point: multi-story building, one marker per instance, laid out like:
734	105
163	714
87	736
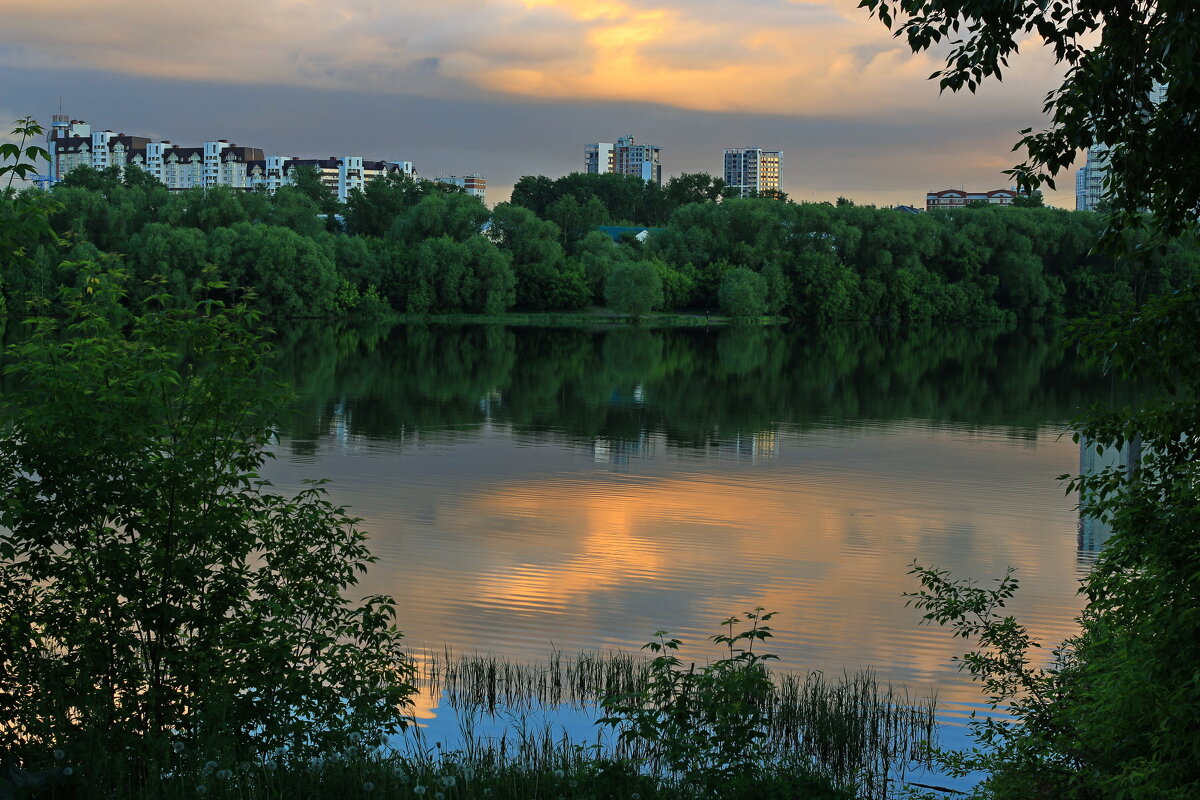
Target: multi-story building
341	174
1090	179
598	157
183	167
73	143
63	128
474	185
381	169
754	172
957	198
640	160
624	157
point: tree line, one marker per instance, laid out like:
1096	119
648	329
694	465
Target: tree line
421	247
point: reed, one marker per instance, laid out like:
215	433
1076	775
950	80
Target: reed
852	729
829	738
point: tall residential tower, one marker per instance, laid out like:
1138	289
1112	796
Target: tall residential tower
624	157
1091	178
754	172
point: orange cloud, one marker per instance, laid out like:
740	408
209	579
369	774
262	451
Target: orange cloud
809	59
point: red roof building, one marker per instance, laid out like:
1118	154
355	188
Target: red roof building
957	198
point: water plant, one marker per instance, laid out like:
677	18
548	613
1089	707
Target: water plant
849	730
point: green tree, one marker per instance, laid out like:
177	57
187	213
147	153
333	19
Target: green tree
634	288
598	255
372	210
307	180
707	726
1033	200
154	590
694	187
743	293
450	276
457	215
546	280
291	275
177	255
575	219
24	219
534	192
292	208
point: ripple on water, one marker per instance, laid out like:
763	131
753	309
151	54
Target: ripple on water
514	544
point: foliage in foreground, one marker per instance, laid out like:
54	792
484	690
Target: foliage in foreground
353	775
1114	53
1117	714
155	594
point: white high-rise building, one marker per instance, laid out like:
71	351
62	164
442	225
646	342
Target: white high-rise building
624	157
212	161
598	157
753	171
72	143
1091	178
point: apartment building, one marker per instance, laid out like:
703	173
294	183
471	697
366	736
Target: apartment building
72	143
598	157
624	157
1090	179
753	171
474	185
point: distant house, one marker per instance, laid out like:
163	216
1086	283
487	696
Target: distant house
958	198
639	232
907	209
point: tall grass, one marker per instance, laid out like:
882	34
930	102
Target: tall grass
853	729
830	738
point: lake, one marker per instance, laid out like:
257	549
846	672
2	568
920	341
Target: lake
531	488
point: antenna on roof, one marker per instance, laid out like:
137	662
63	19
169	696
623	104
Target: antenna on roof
60	104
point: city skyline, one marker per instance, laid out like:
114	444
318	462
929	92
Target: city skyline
513	89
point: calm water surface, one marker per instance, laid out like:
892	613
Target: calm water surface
529	489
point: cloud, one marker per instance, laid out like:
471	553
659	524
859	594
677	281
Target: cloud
520	85
808	59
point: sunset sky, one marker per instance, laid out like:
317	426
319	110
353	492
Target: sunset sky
514	87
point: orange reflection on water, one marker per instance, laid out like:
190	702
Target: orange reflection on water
612	556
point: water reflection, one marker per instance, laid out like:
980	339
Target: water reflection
530	487
696	387
1093	460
